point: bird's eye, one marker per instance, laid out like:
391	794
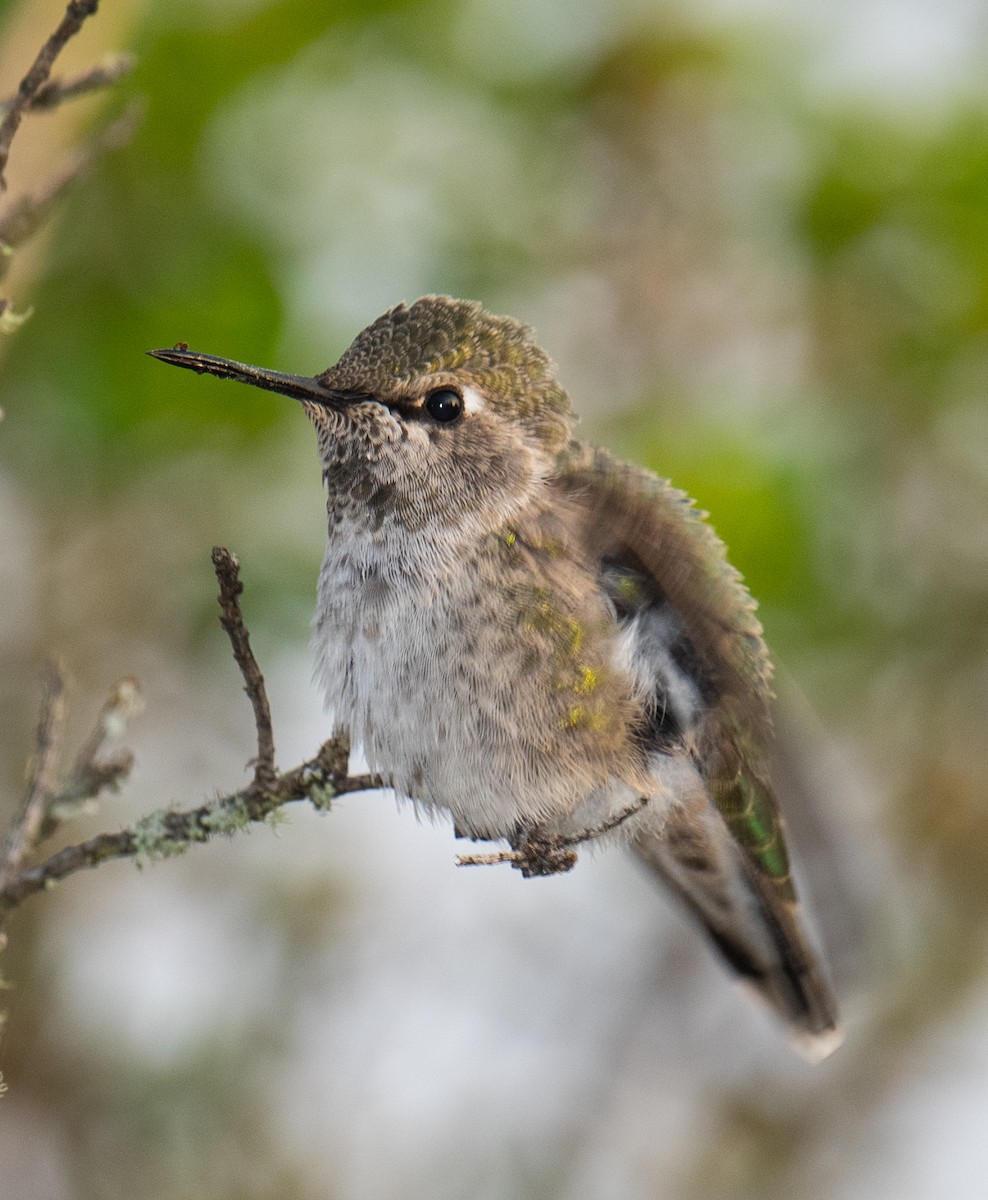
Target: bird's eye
444	405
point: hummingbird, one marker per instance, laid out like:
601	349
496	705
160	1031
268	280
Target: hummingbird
544	642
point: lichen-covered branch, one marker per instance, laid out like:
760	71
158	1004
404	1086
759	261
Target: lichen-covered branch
167	831
49	803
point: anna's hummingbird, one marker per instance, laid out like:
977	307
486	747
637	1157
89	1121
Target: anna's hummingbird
540	639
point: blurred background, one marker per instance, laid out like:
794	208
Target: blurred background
754	235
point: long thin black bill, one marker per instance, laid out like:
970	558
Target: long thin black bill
301	387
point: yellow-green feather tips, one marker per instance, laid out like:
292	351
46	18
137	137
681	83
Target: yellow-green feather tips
580	684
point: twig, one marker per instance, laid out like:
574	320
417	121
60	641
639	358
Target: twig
75	14
227	570
56	91
27	828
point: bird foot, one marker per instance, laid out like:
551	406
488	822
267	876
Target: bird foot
537	853
533	852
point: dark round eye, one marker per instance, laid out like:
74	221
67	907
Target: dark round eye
444	405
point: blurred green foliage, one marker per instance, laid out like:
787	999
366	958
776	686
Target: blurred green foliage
143	256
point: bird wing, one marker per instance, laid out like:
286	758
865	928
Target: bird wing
706	672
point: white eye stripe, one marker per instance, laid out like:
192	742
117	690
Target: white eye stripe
473	401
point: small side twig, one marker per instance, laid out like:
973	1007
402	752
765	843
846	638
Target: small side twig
56	91
37	76
27	828
227	570
92	774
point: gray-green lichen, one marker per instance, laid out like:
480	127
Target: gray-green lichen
322	795
155	840
226	816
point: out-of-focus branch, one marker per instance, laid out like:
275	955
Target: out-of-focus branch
48	804
37	75
27	827
91	774
36	91
56	91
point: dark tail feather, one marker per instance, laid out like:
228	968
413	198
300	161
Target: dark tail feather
757	933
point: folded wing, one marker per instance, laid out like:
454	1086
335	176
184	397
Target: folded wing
696	647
